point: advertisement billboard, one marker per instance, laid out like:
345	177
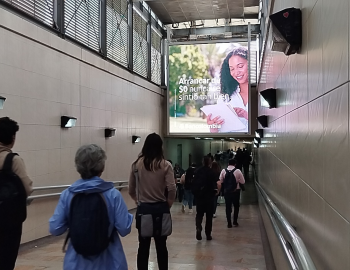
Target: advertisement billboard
209	91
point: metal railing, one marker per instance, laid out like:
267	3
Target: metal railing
48	195
293	246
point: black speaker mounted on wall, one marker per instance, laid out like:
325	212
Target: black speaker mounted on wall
135	139
68	121
286	31
2	101
263	120
268	98
259	133
109	132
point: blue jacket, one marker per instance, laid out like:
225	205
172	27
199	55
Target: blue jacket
113	258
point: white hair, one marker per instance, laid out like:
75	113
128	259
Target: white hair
90	160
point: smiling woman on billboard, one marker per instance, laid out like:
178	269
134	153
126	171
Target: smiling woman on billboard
234	79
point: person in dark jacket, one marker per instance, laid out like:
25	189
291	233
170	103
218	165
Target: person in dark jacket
204	188
186	181
217	170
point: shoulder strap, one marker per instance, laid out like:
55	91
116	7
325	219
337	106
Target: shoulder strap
7	166
136	174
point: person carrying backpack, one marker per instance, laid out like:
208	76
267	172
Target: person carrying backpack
95	214
15	186
232	179
204	188
186	181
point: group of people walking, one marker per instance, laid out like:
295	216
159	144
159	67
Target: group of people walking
95	214
204	185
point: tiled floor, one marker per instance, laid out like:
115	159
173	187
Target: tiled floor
231	249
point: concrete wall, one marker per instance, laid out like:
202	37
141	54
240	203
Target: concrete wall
43	77
304	159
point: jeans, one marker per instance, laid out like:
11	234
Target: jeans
188	198
10	238
232	199
143	252
207	208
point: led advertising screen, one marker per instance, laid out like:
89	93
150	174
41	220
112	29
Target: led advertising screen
208	89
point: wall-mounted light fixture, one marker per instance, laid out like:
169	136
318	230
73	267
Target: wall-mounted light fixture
256	145
268	98
197	138
68	121
135	139
263	120
109	132
2	101
259	133
257	140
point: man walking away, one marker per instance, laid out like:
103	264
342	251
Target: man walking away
15	186
232	178
204	188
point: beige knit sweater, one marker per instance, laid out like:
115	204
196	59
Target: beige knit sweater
152	184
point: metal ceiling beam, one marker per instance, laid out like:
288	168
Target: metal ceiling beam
235	30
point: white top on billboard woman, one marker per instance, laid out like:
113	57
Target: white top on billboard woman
234	83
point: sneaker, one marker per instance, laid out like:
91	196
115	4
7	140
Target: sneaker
199	235
214	216
235	224
229	225
190	211
209	237
183	208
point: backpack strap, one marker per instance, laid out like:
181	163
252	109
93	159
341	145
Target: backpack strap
7	166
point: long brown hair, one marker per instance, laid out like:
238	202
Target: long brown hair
152	152
215	166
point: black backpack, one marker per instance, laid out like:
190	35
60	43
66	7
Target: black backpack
88	224
230	181
189	178
13	197
201	187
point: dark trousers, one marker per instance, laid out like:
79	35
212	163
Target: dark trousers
207	208
10	238
215	203
246	171
232	199
143	252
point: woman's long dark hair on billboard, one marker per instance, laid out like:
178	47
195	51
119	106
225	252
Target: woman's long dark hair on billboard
228	83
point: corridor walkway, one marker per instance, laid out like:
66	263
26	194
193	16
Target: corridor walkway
231	249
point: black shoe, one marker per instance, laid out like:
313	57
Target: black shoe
199	235
229	225
209	237
235	224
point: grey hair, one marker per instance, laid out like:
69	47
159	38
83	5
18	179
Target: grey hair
90	160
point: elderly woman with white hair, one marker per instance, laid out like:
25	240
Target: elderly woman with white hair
95	214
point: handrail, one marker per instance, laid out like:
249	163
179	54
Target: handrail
296	251
67	186
43	196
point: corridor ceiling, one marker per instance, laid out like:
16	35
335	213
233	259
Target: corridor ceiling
177	11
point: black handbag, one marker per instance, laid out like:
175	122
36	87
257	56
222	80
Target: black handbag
152	219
